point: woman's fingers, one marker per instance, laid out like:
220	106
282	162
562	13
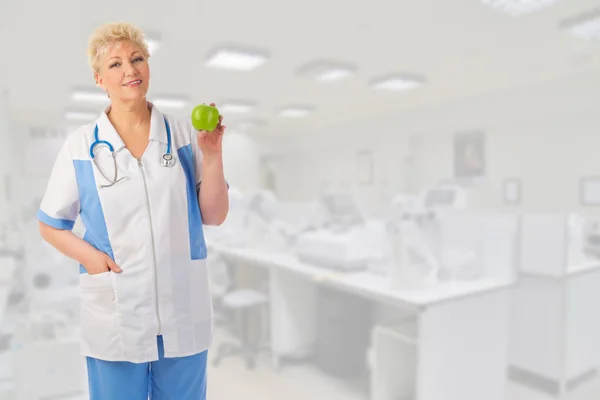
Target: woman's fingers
112	265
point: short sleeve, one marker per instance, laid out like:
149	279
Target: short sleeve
60	205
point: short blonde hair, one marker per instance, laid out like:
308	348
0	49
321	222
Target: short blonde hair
105	35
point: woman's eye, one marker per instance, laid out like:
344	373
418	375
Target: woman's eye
139	59
114	64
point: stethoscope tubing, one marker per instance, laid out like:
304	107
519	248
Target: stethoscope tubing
97	142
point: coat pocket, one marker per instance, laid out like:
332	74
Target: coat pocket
99	332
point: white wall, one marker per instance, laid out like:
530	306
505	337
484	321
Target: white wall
241	161
8	182
549	157
37	149
548	135
301	173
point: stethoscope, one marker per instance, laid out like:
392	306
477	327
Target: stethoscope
167	159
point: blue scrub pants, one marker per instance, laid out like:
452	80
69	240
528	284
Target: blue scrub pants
181	378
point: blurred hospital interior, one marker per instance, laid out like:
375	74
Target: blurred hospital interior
414	193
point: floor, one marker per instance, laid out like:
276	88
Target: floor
292	382
302	382
589	392
231	380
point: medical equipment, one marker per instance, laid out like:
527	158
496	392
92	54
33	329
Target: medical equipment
263	228
46	350
42	339
414	234
167	159
253	221
583	239
444	197
42	326
11	256
414	263
8	266
338	235
592	238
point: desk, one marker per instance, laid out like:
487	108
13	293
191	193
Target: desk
555	325
555	328
453	347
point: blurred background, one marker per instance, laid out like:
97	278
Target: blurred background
415	192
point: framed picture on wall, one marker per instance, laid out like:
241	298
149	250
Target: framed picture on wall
511	191
364	167
469	155
590	191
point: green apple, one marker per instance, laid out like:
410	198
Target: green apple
205	117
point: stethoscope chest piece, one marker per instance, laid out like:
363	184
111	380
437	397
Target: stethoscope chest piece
167	160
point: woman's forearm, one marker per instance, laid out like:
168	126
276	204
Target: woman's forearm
213	196
67	243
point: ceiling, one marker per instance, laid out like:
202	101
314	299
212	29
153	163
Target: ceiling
461	47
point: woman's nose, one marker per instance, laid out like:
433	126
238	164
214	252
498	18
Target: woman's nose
130	68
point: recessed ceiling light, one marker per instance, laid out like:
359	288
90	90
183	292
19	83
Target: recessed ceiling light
249	124
334	75
295	112
518	7
170	102
327	71
80	116
236	107
153	45
90	96
230	58
397	83
153	39
586	26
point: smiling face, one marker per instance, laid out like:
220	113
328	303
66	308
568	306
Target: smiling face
124	72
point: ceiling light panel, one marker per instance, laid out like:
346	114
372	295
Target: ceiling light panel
90	96
236	107
586	26
397	83
327	71
236	59
170	102
153	41
295	112
518	7
85	116
153	45
250	124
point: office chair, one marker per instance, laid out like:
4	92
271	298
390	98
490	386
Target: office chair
236	305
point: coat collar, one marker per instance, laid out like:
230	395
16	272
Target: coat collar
106	130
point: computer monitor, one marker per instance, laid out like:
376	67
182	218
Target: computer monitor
342	208
440	197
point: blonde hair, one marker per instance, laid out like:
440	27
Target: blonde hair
105	35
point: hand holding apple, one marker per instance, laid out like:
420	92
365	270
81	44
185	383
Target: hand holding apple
207	121
205	117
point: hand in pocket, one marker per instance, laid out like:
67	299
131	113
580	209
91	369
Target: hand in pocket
100	262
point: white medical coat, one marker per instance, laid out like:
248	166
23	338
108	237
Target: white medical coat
150	224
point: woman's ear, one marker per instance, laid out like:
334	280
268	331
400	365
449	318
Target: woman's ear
99	83
98	80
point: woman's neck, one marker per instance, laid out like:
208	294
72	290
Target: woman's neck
130	116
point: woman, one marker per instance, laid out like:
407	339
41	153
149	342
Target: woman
133	176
